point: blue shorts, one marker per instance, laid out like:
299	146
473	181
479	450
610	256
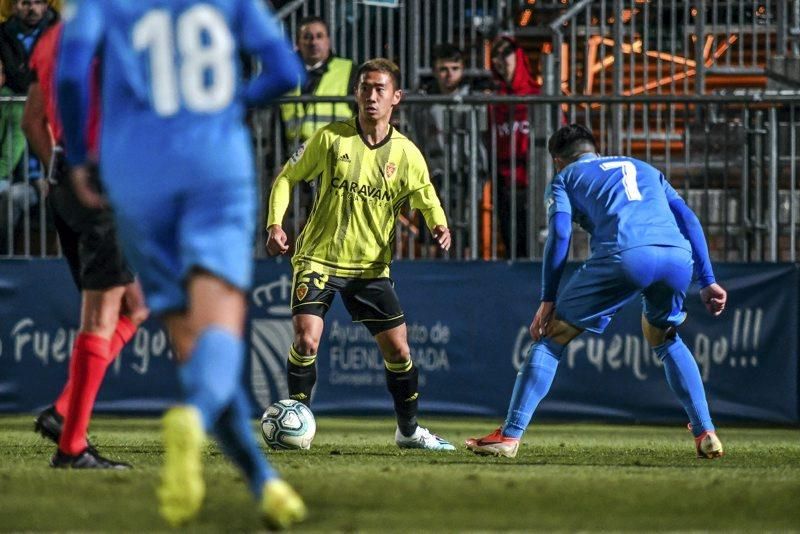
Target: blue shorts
602	286
205	224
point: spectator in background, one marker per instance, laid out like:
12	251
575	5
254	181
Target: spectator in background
326	75
27	20
14	196
443	133
511	123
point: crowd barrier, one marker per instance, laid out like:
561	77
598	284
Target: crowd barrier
467	324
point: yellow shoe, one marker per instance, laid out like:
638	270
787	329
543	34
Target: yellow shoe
281	506
182	487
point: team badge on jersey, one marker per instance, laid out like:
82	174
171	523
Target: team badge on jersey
301	291
390	169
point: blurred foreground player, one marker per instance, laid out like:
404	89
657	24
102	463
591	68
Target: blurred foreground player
367	170
177	165
112	306
644	240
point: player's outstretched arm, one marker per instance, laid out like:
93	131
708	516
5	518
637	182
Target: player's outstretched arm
556	250
82	35
692	230
282	68
714	297
305	164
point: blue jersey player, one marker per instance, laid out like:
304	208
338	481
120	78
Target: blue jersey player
177	166
645	241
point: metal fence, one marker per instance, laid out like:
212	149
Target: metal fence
734	158
406	32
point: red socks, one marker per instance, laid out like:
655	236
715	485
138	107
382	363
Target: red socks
91	359
124	333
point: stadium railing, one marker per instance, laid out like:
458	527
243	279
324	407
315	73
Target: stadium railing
734	158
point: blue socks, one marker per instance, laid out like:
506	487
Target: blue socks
211	381
211	376
683	378
533	383
235	436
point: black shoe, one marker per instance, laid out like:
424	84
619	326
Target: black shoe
88	459
49	423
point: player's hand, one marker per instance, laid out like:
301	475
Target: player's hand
276	241
85	188
542	319
442	235
715	298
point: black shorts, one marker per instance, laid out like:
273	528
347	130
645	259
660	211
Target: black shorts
371	301
88	240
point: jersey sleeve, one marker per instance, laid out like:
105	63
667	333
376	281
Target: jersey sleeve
423	195
668	189
82	35
305	165
556	199
260	35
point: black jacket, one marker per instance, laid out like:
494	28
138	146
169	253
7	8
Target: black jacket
13	54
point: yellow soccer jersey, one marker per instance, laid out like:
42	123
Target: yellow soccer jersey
361	189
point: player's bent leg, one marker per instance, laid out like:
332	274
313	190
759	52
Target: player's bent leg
301	366
182	488
683	377
532	384
207	339
402	380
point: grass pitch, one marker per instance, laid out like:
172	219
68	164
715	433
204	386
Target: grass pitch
566	477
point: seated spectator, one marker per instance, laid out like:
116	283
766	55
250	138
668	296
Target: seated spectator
443	134
327	75
511	124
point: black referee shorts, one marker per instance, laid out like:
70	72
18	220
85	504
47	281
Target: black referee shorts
88	239
371	301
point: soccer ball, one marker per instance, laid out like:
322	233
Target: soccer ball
288	424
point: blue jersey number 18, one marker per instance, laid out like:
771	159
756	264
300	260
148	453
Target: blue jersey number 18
205	46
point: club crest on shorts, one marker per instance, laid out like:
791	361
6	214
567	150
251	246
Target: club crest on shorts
389	169
301	291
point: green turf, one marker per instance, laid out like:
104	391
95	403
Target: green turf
566	477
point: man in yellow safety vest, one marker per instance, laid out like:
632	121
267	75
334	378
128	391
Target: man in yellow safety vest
327	75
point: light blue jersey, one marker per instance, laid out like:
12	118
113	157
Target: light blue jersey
622	202
175	155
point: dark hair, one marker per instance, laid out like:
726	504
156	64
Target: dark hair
381	64
447	52
503	47
313	19
571	141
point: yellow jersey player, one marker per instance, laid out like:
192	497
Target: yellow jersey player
366	170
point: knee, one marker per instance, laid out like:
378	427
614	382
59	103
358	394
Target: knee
138	316
306	343
182	339
655	335
100	321
397	354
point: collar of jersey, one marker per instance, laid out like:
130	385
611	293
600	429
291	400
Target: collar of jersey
364	139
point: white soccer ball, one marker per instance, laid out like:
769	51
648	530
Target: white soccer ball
288	424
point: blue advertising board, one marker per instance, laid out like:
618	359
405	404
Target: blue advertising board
467	325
